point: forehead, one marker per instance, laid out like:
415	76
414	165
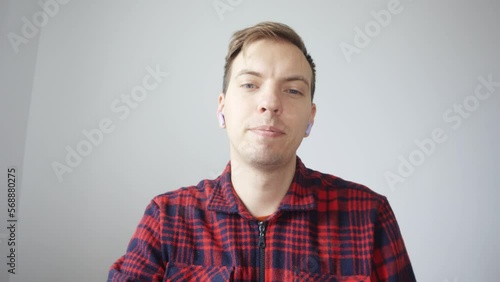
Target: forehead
272	58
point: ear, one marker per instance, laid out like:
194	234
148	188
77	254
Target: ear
311	120
220	110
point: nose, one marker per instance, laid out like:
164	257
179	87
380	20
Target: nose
270	101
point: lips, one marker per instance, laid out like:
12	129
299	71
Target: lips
268	131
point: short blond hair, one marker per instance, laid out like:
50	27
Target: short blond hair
264	30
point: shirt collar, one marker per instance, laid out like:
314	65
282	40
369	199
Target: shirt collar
299	197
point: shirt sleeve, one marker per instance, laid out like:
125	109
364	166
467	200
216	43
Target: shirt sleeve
390	258
143	260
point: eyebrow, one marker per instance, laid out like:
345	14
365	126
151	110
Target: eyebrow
249	72
288	78
297	77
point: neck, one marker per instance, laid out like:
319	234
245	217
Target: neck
261	189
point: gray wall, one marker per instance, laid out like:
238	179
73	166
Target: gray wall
401	110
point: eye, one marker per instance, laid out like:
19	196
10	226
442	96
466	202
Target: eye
294	91
248	85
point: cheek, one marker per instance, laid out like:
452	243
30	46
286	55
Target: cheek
299	115
300	125
237	109
235	118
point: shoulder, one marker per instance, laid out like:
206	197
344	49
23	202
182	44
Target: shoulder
331	187
194	195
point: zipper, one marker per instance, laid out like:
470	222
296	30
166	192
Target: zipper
262	246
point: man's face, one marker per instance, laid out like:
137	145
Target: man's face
267	105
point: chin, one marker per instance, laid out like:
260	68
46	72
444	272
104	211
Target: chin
265	156
267	159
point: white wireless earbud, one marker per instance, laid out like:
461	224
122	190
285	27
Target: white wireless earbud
308	130
222	121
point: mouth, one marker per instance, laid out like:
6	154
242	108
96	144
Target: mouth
267	131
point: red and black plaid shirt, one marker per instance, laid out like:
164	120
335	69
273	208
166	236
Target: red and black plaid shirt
326	229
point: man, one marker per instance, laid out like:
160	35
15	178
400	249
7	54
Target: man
267	217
